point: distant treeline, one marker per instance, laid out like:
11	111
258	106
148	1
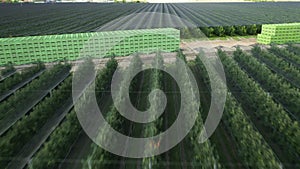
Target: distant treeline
221	31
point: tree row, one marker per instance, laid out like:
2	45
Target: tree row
285	131
277	87
22	132
19	102
287	54
278	65
252	148
17	78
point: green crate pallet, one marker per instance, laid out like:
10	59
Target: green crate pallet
24	50
279	33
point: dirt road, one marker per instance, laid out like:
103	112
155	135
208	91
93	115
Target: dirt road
190	49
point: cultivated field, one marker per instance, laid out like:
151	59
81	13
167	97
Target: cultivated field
259	129
44	19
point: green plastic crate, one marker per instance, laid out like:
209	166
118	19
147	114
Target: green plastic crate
279	33
23	50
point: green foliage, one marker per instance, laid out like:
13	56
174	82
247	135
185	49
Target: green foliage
181	55
259	27
196	33
251	29
58	144
229	30
278	87
64	136
104	77
208	31
19	101
294	49
136	64
17	78
25	129
219	31
241	30
281	61
185	33
252	148
100	158
9	68
287	54
204	156
285	131
152	129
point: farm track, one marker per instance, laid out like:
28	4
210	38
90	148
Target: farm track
136	129
176	156
176	102
20	85
166	125
142	127
11	119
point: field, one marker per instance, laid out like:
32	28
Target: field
259	129
43	19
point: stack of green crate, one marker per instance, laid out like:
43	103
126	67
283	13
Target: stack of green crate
23	50
146	42
279	33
